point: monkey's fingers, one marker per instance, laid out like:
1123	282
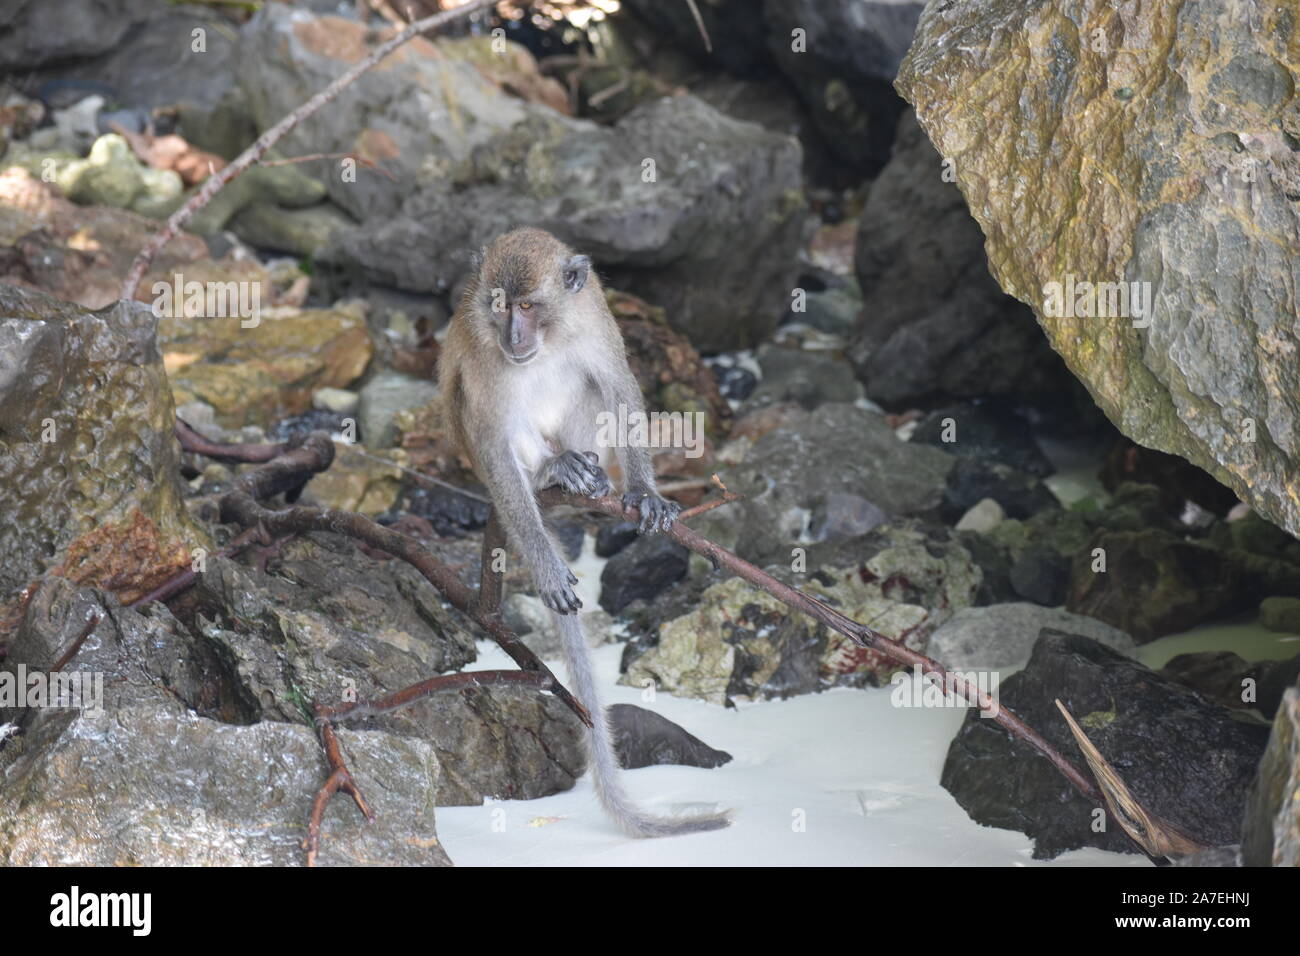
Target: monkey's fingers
671	510
561	600
601	486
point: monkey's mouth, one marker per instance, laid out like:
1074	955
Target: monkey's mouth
521	359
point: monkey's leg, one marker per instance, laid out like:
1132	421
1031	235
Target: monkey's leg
516	504
577	473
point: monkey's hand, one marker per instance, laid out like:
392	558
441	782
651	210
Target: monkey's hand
555	588
578	473
657	512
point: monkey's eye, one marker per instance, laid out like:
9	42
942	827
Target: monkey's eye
525	306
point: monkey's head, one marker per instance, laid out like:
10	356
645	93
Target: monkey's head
527	282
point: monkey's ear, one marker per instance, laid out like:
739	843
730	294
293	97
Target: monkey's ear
476	258
575	272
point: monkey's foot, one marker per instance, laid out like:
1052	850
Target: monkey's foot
578	473
657	512
557	592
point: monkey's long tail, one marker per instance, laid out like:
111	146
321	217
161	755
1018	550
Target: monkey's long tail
601	756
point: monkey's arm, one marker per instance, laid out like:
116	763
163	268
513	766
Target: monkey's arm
657	512
513	498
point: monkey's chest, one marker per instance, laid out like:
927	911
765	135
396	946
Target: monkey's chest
554	412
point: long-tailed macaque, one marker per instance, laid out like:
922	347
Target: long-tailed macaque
532	357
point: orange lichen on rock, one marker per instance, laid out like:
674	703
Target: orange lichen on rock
129	559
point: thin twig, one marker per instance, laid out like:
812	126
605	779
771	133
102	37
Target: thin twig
699	22
340	778
248	157
75	646
356	710
704	506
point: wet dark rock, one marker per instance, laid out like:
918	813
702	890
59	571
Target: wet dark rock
644	738
1179	480
1270	832
297	427
1280	614
1186	759
1229	680
938	326
984	432
642	570
1256	535
613	537
1156	583
845	73
1216	675
994	561
809	378
1041	575
736	382
974	479
449	511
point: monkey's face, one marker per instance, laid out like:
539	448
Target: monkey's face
520	323
525	313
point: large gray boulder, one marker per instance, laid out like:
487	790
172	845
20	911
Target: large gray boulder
697	212
711	239
1154	146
